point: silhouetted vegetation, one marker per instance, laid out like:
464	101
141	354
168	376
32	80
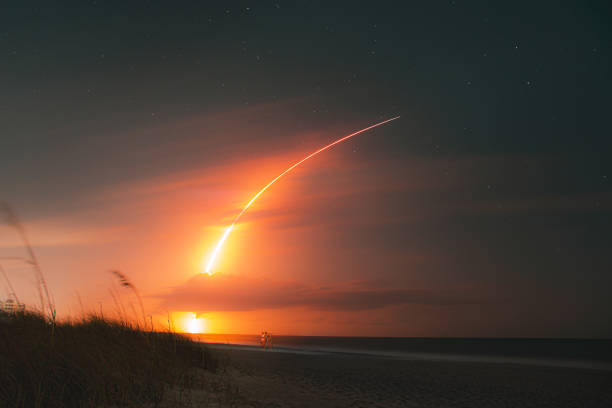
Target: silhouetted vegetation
92	362
95	361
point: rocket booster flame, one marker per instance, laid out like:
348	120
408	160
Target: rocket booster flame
229	229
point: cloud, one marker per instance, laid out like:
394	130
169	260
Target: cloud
217	293
61	231
550	204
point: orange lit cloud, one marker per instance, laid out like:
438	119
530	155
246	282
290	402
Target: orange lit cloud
61	232
242	293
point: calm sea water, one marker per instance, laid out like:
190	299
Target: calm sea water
588	353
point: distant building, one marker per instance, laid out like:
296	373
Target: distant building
11	306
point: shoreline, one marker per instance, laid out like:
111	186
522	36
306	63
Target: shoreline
421	356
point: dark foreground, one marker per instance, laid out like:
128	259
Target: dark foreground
99	363
286	379
94	362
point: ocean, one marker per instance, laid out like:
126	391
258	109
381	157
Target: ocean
576	353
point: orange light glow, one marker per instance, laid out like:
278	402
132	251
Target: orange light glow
218	247
195	324
214	254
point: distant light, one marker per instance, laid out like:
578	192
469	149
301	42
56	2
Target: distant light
196	324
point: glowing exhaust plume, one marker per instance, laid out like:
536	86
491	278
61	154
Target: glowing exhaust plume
229	229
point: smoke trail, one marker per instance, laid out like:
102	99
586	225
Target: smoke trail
229	229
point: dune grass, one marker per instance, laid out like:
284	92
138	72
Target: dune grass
95	361
92	362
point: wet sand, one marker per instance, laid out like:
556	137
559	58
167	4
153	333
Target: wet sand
290	379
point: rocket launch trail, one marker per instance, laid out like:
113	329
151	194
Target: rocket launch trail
229	229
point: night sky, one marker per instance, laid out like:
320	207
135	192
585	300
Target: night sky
130	134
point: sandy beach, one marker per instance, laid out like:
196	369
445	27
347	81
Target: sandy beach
293	379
